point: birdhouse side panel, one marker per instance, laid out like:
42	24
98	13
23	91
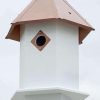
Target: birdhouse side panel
67	50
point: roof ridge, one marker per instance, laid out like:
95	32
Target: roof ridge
25	10
56	8
33	1
76	12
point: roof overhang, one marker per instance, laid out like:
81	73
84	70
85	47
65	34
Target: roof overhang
14	32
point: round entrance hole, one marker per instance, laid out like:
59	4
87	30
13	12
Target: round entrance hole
41	40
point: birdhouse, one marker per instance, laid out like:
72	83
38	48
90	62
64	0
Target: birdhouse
49	32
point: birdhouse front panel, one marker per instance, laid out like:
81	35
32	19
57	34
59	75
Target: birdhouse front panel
38	61
49	55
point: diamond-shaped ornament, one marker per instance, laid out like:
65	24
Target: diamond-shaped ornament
40	40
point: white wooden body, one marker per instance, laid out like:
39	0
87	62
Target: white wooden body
57	64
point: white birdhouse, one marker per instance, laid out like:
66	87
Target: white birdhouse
49	32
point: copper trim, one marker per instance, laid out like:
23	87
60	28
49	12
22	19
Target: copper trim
33	41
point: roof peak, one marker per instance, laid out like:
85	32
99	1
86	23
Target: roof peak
48	9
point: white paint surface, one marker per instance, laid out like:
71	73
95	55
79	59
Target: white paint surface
55	66
49	94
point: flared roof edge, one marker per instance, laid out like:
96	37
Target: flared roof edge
14	32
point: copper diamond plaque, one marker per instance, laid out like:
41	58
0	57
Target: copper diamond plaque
40	40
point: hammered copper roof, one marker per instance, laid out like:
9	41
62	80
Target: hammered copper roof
40	10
